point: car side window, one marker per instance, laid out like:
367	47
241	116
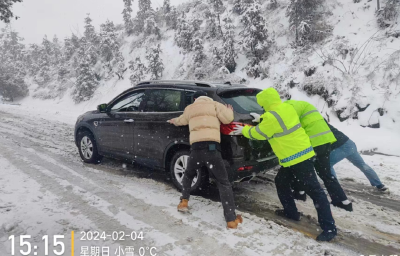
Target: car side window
188	98
130	103
160	100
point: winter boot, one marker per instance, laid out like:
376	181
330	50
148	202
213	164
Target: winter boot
235	223
327	236
347	207
183	206
295	216
382	188
298	196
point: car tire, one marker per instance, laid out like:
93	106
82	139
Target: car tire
88	148
177	170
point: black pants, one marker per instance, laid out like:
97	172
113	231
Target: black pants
212	159
302	175
323	169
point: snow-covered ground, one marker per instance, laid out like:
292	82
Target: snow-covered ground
46	189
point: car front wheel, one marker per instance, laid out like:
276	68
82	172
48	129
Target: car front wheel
88	148
178	167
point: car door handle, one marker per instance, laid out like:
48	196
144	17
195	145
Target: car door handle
128	120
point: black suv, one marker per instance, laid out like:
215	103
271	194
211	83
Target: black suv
133	126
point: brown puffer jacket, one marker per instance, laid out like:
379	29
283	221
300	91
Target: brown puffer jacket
204	117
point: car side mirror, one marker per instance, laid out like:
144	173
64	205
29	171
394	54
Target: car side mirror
102	108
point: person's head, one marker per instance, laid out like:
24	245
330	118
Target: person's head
267	98
198	94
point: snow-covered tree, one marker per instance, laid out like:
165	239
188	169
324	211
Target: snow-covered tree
229	53
184	34
127	15
71	46
150	24
254	38
166	7
217	8
109	49
86	82
12	65
240	6
198	58
213	30
155	64
143	13
171	18
91	40
5	10
90	32
304	16
138	71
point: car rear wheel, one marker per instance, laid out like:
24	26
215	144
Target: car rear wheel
178	167
88	148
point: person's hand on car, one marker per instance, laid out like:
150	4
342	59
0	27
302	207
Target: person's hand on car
229	106
256	117
237	130
171	121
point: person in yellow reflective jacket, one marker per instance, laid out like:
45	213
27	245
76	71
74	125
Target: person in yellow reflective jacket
280	125
321	138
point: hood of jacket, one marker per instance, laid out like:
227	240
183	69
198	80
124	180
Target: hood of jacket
268	98
203	99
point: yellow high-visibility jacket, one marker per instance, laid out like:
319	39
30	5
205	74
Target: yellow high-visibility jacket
313	122
281	126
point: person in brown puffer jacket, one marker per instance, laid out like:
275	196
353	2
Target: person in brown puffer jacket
204	118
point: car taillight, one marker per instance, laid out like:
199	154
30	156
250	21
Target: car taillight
244	168
228	129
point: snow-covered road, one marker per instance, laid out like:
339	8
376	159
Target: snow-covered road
45	189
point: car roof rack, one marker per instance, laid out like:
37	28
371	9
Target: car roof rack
185	82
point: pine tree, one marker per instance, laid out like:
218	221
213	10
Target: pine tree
44	63
5	10
127	15
138	71
143	13
217	9
241	6
184	34
91	40
12	65
199	58
71	46
90	32
166	7
254	40
172	20
212	27
303	16
229	53
155	66
86	82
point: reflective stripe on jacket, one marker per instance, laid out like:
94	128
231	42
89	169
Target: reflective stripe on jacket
313	123
280	125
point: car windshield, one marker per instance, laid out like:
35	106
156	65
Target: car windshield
243	101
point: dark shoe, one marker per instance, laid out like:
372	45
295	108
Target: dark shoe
347	207
282	213
298	196
327	236
382	188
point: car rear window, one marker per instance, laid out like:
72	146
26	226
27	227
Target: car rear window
243	101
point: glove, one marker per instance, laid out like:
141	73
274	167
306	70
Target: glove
237	130
256	116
